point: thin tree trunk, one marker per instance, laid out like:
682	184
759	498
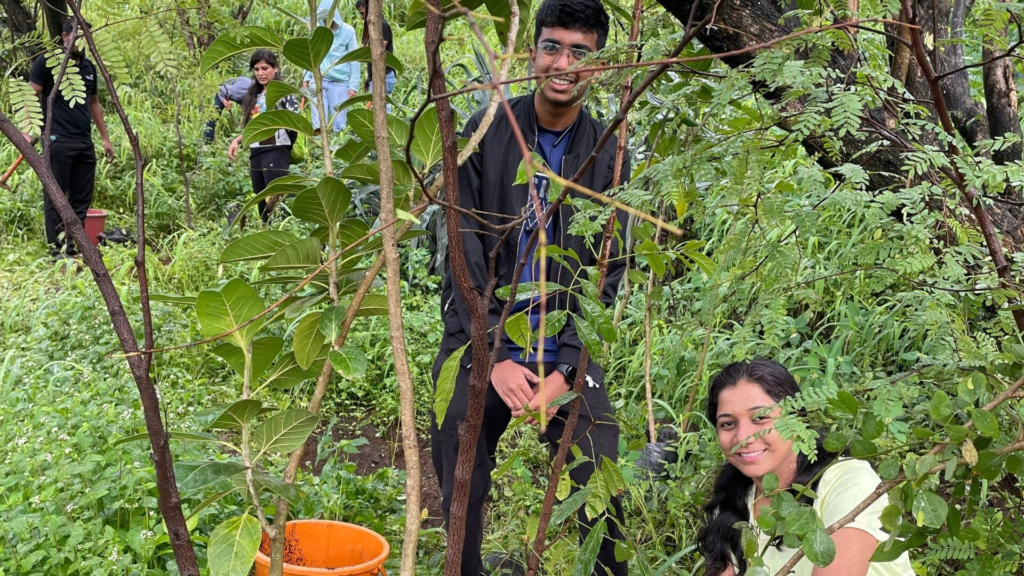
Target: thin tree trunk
479	349
185	177
168	501
168	498
1001	98
55	12
410	441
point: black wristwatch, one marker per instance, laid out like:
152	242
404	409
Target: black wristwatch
568	370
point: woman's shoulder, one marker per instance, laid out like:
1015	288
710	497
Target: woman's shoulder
848	471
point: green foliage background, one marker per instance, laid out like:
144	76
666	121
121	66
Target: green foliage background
882	302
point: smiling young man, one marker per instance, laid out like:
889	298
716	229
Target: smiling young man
556	126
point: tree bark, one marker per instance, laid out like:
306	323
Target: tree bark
18	19
1001	97
410	441
55	12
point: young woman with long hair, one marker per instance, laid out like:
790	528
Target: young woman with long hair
737	401
269	158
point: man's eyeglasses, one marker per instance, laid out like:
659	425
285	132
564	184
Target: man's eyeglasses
552	50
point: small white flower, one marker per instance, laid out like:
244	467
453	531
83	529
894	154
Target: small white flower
49	457
35	500
64	437
53	430
136	465
67	450
113	555
71	507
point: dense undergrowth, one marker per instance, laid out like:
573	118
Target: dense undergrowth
879	301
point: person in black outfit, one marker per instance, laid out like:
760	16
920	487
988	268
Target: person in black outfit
72	158
556	126
270	158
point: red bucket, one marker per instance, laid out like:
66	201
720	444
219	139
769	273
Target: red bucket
95	223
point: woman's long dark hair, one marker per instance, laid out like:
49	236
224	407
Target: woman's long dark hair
253	93
719	542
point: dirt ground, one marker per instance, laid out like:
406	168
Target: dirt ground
384	450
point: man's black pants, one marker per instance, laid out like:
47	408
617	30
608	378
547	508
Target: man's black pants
73	163
595	439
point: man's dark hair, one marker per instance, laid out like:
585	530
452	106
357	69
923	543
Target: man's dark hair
69	25
579	15
360	4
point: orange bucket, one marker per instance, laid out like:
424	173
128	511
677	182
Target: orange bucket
319	547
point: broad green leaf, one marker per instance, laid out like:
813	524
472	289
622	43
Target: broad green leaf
283	432
361	121
331	321
836	442
351	232
325	204
373	305
941	407
354	150
598	316
588	335
527	290
362	54
446	384
612	476
584	565
258	246
986	423
426	143
173	435
307	340
309	53
554	322
264	350
845	404
349	361
301	254
770	483
287	373
990	465
169	298
233	546
819	547
197	475
801	520
277	90
238	42
518	329
567	508
279	487
237	415
227	309
285	185
500	10
929	509
268	123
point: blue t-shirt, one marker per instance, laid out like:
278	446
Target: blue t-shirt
551	145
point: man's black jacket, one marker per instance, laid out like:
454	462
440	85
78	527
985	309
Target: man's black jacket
486	186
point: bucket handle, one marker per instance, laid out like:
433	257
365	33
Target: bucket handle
383	571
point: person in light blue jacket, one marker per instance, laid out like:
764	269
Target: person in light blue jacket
340	80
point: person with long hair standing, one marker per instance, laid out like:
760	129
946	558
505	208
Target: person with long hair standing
270	158
742	404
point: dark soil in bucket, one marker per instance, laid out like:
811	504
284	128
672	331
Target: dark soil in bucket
292	552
